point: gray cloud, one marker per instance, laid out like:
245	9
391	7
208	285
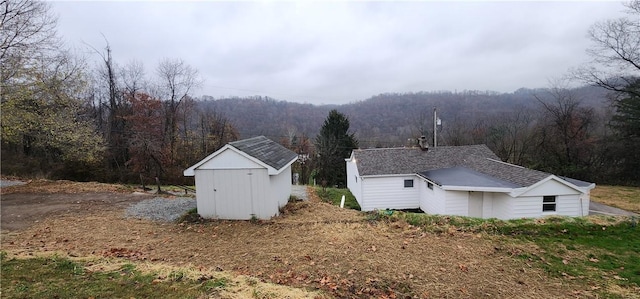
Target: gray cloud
337	52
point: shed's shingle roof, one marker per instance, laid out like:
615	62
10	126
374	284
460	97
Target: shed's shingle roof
265	150
479	158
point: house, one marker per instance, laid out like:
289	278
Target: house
244	179
460	180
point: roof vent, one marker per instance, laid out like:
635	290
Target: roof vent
422	142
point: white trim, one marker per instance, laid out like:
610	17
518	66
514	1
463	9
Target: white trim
476	189
388	175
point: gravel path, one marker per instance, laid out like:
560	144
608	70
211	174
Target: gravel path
161	209
7	183
299	191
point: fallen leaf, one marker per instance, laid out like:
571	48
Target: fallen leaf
593	259
565	262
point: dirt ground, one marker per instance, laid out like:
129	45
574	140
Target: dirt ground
312	245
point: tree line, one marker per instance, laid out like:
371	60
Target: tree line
62	118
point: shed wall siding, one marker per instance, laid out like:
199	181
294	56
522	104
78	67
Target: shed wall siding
205	193
281	187
457	203
234	194
389	193
229	159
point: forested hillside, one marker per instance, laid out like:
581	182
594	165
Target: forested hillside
112	121
388	120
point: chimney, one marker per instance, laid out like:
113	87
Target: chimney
422	141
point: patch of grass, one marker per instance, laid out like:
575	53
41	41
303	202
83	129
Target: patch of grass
56	277
600	250
626	198
334	196
577	247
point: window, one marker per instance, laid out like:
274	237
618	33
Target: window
430	185
356	178
408	183
549	204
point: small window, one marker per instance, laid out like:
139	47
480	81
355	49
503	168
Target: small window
430	185
356	178
549	204
408	183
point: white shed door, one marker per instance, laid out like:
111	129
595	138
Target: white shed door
235	193
475	204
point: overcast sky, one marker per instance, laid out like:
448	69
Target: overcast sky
338	52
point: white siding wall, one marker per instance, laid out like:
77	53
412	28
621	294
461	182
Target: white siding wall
568	203
205	194
487	205
234	194
354	182
457	203
281	187
264	204
502	206
526	207
550	187
229	159
431	200
586	198
389	193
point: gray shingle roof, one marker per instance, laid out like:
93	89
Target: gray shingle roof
478	158
462	176
265	150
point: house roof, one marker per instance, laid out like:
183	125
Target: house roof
462	176
266	150
475	162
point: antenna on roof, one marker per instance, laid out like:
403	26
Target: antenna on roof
436	122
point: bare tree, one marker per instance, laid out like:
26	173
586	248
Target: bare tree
176	80
615	52
27	31
133	77
510	135
565	140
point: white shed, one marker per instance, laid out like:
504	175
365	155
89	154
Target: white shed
460	180
244	179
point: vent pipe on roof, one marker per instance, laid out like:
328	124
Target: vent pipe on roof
422	142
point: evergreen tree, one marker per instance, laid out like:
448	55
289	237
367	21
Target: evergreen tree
626	125
333	145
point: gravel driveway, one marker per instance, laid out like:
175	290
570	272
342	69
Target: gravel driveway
161	209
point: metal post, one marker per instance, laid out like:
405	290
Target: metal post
435	128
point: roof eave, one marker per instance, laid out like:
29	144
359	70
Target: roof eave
477	189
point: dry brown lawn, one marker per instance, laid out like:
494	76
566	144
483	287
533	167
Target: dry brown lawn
313	245
626	198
